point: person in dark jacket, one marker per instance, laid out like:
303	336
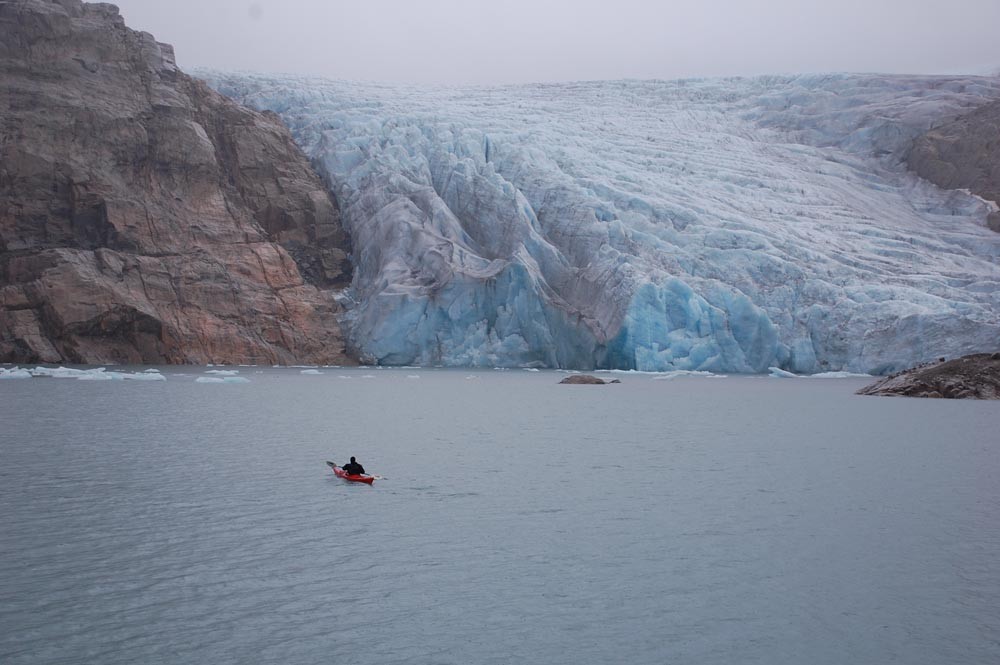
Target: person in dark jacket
354	468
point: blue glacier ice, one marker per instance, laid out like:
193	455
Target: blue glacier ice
725	225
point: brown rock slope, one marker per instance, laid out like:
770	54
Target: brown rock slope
969	377
145	218
964	154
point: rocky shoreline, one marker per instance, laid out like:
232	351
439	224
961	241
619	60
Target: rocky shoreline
975	376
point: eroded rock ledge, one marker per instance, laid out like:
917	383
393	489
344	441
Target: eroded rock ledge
970	377
145	218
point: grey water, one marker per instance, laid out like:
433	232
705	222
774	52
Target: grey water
696	520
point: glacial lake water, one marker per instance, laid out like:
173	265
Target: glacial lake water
695	520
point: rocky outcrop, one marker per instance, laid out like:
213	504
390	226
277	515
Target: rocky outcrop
586	380
144	217
970	377
964	154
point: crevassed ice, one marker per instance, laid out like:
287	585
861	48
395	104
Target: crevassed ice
710	225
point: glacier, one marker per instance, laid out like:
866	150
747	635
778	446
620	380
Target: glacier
711	225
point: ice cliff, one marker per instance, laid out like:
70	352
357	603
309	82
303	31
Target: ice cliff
722	225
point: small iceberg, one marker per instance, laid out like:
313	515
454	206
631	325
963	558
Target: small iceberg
839	375
310	372
145	376
782	374
223	372
15	373
683	373
59	372
224	379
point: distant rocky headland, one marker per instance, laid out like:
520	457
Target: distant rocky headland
975	376
145	218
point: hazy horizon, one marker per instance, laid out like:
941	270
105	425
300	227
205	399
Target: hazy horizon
456	42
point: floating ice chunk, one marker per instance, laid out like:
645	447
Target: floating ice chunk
152	370
669	376
15	373
531	369
782	374
310	372
368	376
144	376
226	379
413	376
839	375
341	376
100	375
58	372
223	372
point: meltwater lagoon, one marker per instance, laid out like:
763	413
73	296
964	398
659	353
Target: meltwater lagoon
695	520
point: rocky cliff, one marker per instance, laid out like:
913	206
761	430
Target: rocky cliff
146	218
964	154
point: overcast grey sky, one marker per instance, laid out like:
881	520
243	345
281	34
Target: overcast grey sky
513	41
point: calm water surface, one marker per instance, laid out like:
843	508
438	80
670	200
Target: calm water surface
736	520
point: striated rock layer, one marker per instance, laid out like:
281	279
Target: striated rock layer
146	218
972	377
964	154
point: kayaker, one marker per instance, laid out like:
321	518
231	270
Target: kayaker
354	468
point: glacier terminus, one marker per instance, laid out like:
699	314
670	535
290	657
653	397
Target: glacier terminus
724	225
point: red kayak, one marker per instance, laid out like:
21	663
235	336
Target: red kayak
353	477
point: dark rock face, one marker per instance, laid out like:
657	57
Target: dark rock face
145	218
964	154
970	377
586	379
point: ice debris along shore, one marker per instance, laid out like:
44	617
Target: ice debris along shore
96	374
725	225
102	374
